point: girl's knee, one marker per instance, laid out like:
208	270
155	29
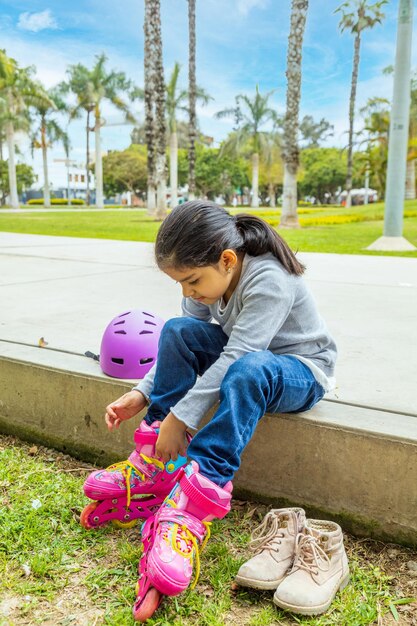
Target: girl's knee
177	325
249	368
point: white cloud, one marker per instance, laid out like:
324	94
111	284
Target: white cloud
244	6
37	21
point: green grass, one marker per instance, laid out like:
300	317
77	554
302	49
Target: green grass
349	238
53	571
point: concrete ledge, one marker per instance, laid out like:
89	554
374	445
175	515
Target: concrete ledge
343	462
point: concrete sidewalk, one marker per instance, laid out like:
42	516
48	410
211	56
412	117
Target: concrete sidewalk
67	290
353	458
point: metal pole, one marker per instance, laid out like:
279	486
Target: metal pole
398	137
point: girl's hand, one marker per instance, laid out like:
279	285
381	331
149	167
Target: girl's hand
124	408
171	441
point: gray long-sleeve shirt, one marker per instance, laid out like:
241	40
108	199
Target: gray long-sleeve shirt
270	309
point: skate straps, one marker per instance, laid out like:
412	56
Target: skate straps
141	438
199	499
182	518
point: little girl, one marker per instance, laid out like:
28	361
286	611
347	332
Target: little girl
270	351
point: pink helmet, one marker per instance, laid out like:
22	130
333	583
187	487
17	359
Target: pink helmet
130	344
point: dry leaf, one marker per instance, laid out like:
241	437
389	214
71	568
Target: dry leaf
42	343
33	450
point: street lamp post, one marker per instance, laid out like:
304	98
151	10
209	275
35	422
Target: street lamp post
398	137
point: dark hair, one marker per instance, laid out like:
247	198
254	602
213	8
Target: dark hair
195	234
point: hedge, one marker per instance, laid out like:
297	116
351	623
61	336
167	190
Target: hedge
55	201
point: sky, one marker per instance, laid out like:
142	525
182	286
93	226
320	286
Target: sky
240	44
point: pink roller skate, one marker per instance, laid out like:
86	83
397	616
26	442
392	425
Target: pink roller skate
174	537
130	489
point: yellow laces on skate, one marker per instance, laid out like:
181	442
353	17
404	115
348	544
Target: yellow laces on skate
126	468
176	540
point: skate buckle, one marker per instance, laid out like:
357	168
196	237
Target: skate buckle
172	466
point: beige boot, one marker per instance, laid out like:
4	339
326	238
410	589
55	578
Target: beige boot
274	544
320	569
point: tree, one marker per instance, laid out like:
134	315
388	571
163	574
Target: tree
356	16
125	170
271	170
290	152
91	87
376	130
323	170
248	135
176	101
313	133
149	91
192	95
25	177
49	132
216	173
17	92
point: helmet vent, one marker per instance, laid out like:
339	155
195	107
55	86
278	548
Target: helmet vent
118	361
148	314
150	323
124	314
144	361
146	332
120	332
118	323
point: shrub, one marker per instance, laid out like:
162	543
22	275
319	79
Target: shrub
57	201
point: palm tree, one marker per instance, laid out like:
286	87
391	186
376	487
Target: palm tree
49	132
91	87
192	94
248	134
291	151
160	120
356	16
149	90
17	92
176	101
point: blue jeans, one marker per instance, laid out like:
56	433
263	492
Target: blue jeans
254	384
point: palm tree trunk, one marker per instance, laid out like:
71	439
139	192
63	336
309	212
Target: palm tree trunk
87	162
149	75
99	162
289	201
173	167
192	89
14	199
352	102
289	217
255	180
410	187
160	120
46	192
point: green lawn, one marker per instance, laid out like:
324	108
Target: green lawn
54	572
135	225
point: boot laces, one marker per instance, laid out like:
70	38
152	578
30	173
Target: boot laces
126	468
311	556
264	536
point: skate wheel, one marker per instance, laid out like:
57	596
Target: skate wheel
85	514
148	605
120	524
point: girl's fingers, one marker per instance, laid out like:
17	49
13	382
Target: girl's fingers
110	411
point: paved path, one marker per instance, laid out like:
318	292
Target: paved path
66	290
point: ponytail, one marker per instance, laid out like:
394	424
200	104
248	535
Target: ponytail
259	238
195	234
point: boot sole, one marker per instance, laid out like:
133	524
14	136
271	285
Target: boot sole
312	610
258	584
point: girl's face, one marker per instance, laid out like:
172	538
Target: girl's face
209	283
